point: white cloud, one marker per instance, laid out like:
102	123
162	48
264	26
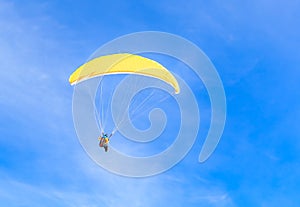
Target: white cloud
32	78
213	199
19	193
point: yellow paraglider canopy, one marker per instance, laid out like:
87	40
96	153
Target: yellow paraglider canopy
123	63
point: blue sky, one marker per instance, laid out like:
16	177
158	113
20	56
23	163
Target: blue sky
253	44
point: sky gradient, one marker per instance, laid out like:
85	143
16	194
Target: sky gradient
254	45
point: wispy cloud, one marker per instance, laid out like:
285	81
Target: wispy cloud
16	193
31	76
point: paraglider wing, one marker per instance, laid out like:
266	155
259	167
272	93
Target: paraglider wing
123	63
